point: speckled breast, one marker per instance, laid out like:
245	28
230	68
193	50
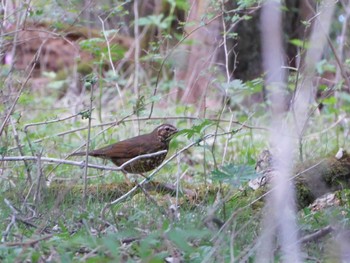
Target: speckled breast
141	165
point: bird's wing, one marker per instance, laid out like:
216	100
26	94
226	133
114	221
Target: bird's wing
128	148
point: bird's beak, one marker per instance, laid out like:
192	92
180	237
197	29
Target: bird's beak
174	134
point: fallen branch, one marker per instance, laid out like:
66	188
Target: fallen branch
27	243
317	235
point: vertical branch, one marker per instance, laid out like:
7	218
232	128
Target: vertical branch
137	48
342	39
317	42
228	76
227	140
280	214
110	58
91	84
178	180
19	93
15	134
40	182
137	59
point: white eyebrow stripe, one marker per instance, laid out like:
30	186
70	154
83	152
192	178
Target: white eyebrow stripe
165	126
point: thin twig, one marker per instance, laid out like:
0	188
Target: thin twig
88	141
137	48
19	93
171	51
110	58
15	134
54	120
115	123
12	221
178	176
28	243
8	228
80	164
12	208
226	98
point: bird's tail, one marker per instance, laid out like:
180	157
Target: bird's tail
78	154
92	153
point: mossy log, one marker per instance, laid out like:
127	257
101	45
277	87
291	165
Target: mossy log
317	178
312	179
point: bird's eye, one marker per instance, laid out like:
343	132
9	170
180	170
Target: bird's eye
167	128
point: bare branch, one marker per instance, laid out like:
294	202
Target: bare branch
317	235
80	164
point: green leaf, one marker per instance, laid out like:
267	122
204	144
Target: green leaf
111	32
91	41
150	20
139	105
86	114
155	98
323	66
196	129
3	150
306	23
181	237
234	174
182	4
246	3
255	85
298	42
235	84
331	101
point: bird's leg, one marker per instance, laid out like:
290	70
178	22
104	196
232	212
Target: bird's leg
144	176
148	180
128	182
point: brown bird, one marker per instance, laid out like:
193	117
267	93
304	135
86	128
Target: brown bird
124	151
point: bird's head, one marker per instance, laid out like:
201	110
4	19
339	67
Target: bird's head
165	132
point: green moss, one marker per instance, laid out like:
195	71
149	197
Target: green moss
61	75
344	197
84	68
304	195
